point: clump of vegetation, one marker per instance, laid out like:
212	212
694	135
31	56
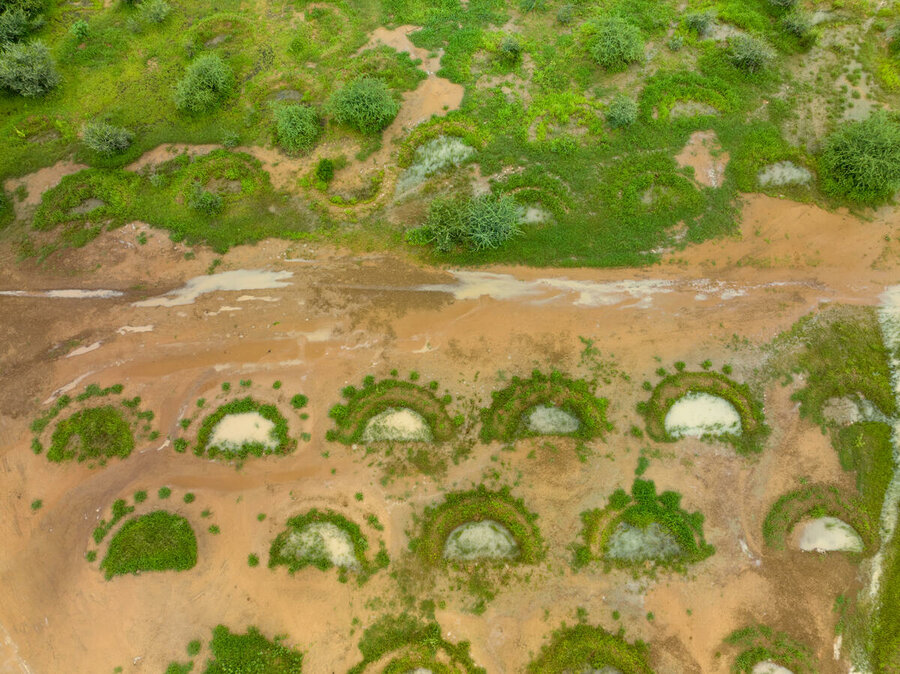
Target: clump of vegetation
641	511
413	645
797	24
352	417
297	127
667	392
622	112
207	83
325	170
749	53
616	43
15	25
478	505
700	22
510	50
815	500
759	643
303	544
205	201
481	223
365	104
157	541
507	416
156	11
245	653
861	160
105	139
585	647
279	432
27	69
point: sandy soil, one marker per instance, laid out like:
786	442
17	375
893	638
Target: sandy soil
704	154
343	316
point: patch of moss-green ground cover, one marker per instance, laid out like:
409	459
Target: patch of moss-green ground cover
506	418
247	653
759	643
675	386
281	443
589	648
302	544
478	505
410	644
675	535
867	448
157	541
351	418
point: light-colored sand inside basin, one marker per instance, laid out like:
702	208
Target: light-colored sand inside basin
486	539
322	541
769	667
550	420
241	279
828	534
399	424
247	428
629	543
603	670
699	414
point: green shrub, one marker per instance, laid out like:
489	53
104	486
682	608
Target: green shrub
861	160
157	541
565	14
106	139
204	201
31	8
749	53
365	104
325	170
510	49
207	82
80	30
785	4
156	11
622	111
797	24
700	22
14	25
616	44
482	223
297	127
28	69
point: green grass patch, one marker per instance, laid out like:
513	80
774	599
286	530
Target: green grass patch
92	434
285	550
242	406
867	448
477	505
157	541
667	392
407	643
759	643
588	648
246	653
640	510
506	418
376	397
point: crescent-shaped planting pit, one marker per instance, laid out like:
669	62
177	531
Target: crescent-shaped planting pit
544	405
642	531
392	411
325	540
479	526
762	650
241	428
157	541
588	649
705	404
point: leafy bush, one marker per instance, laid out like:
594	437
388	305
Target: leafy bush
861	160
204	201
616	44
622	111
749	53
80	30
365	104
106	139
207	82
699	22
325	170
481	223
28	69
156	11
297	127
14	25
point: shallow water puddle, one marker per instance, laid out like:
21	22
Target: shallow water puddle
242	279
66	294
129	329
828	534
247	428
769	667
81	350
486	539
699	414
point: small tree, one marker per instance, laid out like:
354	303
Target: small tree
749	53
365	104
14	25
28	69
622	111
297	127
207	82
616	43
861	160
106	139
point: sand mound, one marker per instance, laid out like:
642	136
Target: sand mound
828	534
322	542
699	414
397	425
238	430
551	421
480	540
769	667
629	543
